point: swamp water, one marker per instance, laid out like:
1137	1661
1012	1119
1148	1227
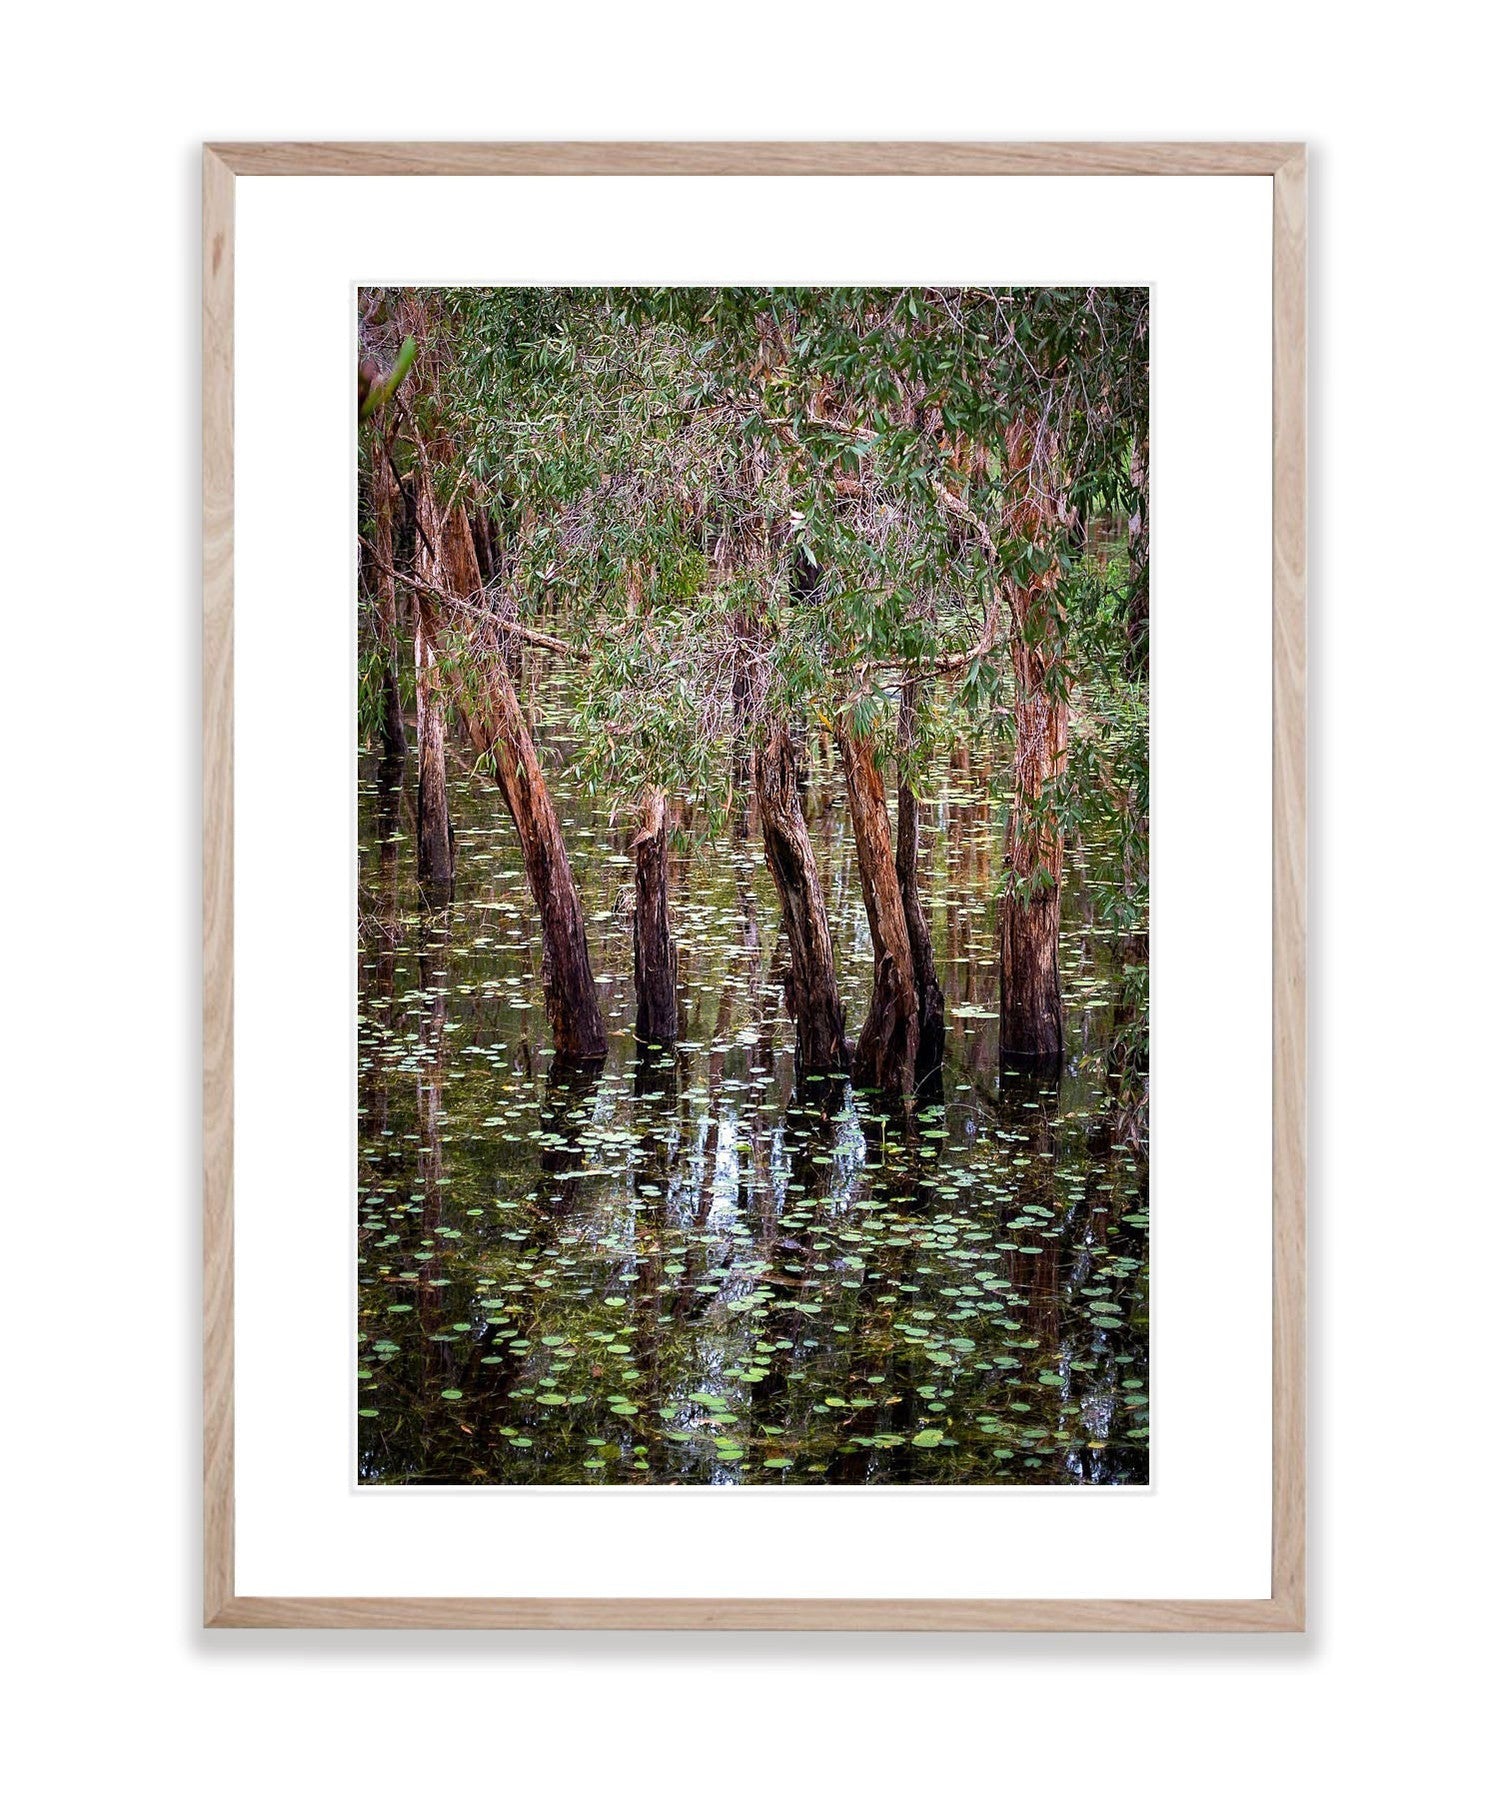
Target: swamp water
683	1269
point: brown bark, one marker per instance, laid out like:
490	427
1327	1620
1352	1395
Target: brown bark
434	831
483	556
655	952
931	1024
497	728
885	1056
811	985
1030	912
392	721
1030	1002
481	529
451	537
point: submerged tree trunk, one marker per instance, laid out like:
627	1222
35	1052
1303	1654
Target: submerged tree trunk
1137	613
931	1023
811	986
497	728
392	721
885	1056
655	952
1030	1002
434	832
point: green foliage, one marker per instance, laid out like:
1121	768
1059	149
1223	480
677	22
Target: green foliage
744	506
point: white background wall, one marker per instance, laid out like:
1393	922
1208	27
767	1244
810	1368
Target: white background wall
104	111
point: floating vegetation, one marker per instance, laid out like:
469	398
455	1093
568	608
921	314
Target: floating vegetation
687	1268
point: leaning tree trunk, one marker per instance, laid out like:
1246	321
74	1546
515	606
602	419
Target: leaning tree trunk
655	952
885	1056
811	984
1030	1004
497	728
931	1021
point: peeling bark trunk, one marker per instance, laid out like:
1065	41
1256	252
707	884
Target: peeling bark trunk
434	831
931	1020
811	986
885	1056
1030	913
392	722
481	529
497	728
452	538
480	555
655	952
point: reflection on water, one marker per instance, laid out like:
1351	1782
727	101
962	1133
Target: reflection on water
683	1269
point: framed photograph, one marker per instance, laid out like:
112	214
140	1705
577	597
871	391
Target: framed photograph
754	886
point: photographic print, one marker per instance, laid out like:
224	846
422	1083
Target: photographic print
753	930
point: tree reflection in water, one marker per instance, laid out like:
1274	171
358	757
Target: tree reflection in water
684	1268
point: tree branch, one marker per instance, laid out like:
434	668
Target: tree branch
556	645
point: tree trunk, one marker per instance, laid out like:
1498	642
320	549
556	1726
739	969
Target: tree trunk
885	1056
497	728
1030	914
434	832
1137	614
930	1009
655	952
811	986
392	722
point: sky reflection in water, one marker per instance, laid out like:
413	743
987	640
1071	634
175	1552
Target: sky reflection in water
680	1269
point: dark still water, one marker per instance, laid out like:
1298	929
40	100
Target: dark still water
682	1269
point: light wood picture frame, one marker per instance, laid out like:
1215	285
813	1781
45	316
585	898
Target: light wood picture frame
1285	163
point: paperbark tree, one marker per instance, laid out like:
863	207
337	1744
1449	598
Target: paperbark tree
885	1055
497	729
655	951
1030	1001
434	830
811	982
931	1022
1031	907
491	715
382	579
